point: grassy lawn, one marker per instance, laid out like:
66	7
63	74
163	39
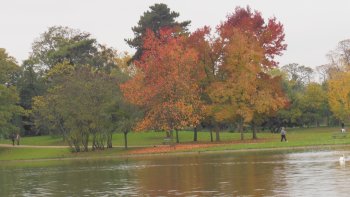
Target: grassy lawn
230	141
32	153
38	141
156	138
299	137
53	153
134	139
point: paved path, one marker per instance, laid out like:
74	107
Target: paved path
30	146
33	146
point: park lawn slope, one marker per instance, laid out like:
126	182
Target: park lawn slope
151	142
38	141
32	153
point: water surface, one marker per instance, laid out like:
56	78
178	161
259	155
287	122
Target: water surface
263	173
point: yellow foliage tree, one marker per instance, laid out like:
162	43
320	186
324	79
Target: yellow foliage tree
244	90
339	95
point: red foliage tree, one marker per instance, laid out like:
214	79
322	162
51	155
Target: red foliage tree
166	83
270	34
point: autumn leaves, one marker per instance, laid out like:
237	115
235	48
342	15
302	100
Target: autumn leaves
185	79
167	83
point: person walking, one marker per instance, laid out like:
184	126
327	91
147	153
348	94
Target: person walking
12	137
283	135
18	137
342	130
342	127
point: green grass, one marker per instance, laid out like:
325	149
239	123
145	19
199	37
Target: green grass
38	141
230	141
134	138
296	138
32	153
156	138
18	153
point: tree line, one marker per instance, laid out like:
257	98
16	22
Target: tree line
218	79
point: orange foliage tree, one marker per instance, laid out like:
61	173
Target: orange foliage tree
237	61
209	53
166	83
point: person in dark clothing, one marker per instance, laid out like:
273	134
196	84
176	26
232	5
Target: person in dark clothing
12	137
342	127
283	135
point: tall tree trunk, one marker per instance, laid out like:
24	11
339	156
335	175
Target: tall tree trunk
195	134
240	128
328	120
217	134
125	140
109	140
85	142
211	135
76	146
94	142
254	131
177	136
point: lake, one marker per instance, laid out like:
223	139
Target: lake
263	173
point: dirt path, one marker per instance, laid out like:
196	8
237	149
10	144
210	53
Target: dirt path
30	146
190	146
171	148
35	146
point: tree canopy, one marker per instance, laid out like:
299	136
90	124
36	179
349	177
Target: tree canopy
241	89
226	78
158	17
9	110
80	106
166	85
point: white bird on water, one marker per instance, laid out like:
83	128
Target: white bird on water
342	159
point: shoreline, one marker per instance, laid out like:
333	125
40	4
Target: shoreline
191	152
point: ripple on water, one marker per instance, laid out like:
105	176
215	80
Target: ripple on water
280	174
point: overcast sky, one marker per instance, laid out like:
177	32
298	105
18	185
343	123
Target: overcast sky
312	28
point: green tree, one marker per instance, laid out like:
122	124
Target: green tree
313	104
307	101
124	117
299	74
55	47
79	106
59	44
9	70
29	85
291	115
9	110
158	17
124	114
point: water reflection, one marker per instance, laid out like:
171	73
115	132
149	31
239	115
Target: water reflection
265	173
318	173
210	175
